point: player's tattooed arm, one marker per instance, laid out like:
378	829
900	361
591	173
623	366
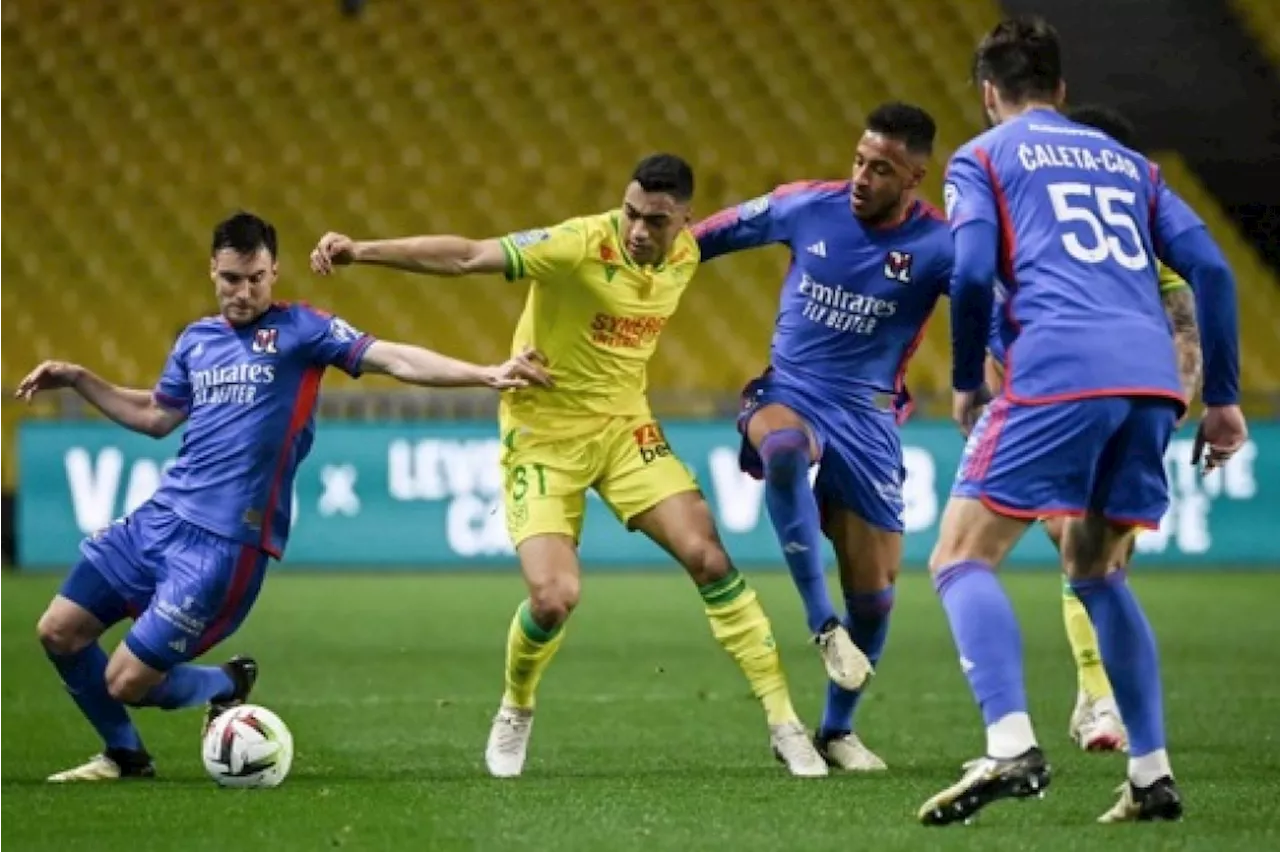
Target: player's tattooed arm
417	366
1180	305
133	409
430	255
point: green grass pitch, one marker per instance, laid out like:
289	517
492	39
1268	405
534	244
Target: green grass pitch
646	735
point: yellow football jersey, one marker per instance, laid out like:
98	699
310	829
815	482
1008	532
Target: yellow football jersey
1169	280
594	312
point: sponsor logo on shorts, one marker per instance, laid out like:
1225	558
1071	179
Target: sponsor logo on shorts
181	617
651	443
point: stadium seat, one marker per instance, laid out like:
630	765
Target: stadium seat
131	127
1262	18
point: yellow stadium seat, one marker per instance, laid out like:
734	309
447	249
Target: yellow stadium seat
1262	17
131	127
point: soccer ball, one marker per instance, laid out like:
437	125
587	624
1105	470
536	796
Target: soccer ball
248	746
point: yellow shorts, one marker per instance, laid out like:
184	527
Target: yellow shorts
547	471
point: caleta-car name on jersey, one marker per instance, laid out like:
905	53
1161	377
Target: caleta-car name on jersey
625	332
235	384
1038	155
841	309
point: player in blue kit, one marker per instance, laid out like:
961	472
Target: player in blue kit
1072	222
869	262
187	565
1095	720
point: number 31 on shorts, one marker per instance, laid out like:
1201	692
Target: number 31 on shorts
526	475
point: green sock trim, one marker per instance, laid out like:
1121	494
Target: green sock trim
531	629
724	590
1067	591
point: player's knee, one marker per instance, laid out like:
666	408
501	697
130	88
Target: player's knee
127	686
60	635
785	453
706	561
552	602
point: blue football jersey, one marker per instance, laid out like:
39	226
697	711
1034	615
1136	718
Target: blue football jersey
1081	220
250	396
856	298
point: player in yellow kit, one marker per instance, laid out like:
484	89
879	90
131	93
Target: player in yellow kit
603	287
1095	721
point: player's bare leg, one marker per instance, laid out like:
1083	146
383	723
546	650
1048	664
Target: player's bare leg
1095	723
682	525
868	558
549	563
786	447
1090	545
972	541
69	634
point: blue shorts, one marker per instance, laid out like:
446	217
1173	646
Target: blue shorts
1103	455
186	588
859	449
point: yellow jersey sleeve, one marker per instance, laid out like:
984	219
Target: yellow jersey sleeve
545	254
1170	280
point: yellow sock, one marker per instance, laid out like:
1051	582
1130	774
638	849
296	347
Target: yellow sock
529	650
1084	646
739	624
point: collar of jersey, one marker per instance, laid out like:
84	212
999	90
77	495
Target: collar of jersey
622	246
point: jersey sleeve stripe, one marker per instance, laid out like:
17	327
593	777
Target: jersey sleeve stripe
171	401
515	263
1007	237
726	218
356	352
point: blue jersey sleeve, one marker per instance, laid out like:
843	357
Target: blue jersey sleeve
758	222
1171	217
333	342
174	388
972	296
967	191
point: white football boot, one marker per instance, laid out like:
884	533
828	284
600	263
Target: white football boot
850	754
792	747
102	767
847	666
508	742
1096	726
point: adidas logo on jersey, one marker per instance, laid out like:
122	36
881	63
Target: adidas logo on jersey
179	645
819	248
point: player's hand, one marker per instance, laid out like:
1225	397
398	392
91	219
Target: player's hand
50	375
333	250
1222	433
527	368
966	407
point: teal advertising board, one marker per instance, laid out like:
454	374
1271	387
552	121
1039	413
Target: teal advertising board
427	495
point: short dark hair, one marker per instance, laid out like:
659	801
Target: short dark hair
244	233
665	173
907	123
1108	120
1022	58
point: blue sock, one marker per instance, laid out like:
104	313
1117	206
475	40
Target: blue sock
1130	657
187	686
987	637
794	513
868	625
85	676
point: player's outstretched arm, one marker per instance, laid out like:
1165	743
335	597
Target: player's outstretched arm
448	256
133	409
417	366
